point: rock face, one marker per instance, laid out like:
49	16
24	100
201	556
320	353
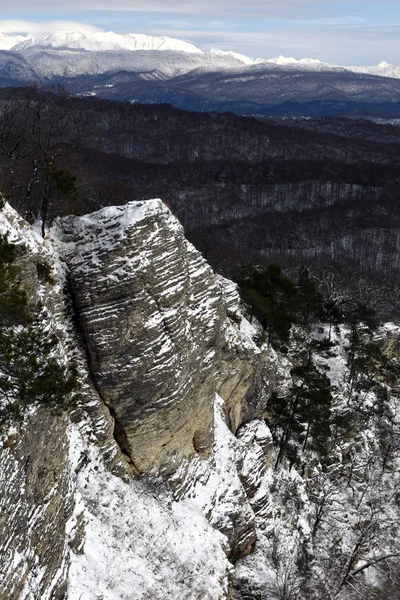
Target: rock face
245	373
153	316
36	500
37	480
157	338
36	496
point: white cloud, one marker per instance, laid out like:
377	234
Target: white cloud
23	27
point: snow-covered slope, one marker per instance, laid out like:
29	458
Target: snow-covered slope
384	69
9	41
282	60
95	42
52	63
240	57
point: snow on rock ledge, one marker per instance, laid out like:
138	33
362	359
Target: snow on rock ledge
154	317
162	335
149	307
138	543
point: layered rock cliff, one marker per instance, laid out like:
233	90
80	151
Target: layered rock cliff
172	385
155	323
150	312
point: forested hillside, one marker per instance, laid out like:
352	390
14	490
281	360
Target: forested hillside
320	192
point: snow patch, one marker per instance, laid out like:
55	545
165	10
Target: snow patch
139	543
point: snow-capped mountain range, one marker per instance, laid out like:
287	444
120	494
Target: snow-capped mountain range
100	41
144	69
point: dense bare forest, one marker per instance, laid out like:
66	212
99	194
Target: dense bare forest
319	192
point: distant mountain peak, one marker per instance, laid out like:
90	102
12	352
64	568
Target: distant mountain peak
9	41
282	60
240	57
95	42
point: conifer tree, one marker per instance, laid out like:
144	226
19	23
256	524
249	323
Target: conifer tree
30	371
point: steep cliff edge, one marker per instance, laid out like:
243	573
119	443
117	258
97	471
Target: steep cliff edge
155	335
36	498
154	318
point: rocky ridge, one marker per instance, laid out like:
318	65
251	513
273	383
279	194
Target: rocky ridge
153	317
156	335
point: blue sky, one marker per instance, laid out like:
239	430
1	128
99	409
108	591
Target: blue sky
356	32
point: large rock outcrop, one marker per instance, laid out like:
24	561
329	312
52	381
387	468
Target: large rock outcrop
154	318
156	335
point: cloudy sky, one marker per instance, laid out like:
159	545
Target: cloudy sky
337	31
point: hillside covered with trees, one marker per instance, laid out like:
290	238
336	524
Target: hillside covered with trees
319	192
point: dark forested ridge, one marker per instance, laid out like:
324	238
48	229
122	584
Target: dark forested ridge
323	192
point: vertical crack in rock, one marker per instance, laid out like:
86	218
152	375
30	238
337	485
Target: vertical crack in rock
119	433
